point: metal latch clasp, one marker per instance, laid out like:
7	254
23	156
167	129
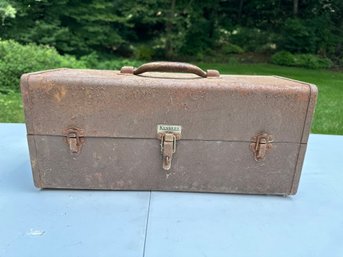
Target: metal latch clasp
168	134
168	148
75	139
260	145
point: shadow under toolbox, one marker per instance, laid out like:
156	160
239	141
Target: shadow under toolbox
157	128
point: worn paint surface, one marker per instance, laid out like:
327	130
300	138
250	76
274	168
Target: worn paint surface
118	114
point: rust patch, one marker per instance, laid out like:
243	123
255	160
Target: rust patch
60	93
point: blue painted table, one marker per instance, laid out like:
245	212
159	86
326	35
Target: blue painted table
96	223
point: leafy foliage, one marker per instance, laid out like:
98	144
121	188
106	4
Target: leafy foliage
177	29
93	61
6	11
232	49
16	59
11	107
301	60
75	27
297	37
283	58
252	39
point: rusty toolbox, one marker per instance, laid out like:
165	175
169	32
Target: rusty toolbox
167	126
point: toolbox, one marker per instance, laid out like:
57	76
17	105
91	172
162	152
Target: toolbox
167	126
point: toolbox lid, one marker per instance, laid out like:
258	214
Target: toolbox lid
124	105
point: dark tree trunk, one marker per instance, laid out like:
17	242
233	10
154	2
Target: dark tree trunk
240	10
295	7
169	28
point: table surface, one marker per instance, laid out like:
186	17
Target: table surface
154	224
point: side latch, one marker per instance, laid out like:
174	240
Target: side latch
75	139
260	145
168	134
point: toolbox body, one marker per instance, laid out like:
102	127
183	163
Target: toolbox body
158	128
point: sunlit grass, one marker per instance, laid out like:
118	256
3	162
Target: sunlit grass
11	108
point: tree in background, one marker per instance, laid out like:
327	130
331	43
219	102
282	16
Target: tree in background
6	11
75	27
177	29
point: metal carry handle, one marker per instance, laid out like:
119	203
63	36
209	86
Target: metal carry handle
169	67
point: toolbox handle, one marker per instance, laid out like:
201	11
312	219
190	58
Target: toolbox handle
169	67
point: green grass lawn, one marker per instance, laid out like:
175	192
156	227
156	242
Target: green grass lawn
11	108
329	112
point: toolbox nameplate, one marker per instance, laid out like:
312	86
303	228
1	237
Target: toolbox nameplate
175	129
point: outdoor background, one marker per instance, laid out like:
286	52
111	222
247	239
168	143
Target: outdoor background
300	39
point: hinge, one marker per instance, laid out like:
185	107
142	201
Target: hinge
75	139
260	145
168	134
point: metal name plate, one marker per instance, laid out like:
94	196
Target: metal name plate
163	128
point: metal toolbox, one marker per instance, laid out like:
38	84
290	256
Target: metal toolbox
167	126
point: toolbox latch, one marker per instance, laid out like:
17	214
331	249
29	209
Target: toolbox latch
75	140
168	134
168	148
260	145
